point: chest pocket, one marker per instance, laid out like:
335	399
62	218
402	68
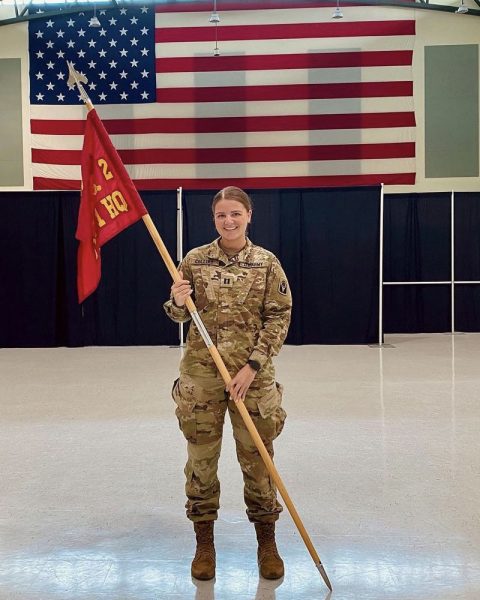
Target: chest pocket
209	282
249	284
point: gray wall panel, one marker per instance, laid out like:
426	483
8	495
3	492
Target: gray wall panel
451	111
11	146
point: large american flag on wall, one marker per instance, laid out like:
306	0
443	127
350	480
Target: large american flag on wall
295	98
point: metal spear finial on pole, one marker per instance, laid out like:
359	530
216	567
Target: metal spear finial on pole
77	79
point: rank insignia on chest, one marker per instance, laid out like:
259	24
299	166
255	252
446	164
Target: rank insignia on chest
283	287
227	281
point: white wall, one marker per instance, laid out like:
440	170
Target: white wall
437	28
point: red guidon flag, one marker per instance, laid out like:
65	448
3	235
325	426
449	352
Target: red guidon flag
109	203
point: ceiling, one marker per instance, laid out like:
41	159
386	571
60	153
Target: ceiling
15	11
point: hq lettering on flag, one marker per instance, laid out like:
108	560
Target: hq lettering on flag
295	99
109	203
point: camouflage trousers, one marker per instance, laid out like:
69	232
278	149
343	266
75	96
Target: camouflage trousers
201	406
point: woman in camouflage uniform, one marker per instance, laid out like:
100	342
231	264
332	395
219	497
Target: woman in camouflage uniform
242	294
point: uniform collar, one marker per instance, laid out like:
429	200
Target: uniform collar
215	252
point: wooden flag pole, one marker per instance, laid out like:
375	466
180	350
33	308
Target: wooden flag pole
172	269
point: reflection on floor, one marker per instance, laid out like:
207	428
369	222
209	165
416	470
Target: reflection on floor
380	454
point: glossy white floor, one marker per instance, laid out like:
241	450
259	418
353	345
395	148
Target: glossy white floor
381	455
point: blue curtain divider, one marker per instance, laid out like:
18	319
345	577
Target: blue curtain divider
417	247
326	239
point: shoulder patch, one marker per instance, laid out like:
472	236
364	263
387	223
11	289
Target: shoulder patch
283	287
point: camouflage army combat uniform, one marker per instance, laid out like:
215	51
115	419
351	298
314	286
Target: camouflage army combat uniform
245	304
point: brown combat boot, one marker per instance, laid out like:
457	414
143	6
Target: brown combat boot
269	561
203	565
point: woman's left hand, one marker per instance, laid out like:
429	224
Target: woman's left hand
239	385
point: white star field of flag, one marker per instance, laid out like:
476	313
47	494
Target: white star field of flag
118	58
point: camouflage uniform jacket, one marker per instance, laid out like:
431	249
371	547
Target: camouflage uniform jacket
244	302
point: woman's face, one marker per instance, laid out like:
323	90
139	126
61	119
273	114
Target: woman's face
231	220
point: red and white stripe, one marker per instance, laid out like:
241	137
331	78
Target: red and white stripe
294	100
